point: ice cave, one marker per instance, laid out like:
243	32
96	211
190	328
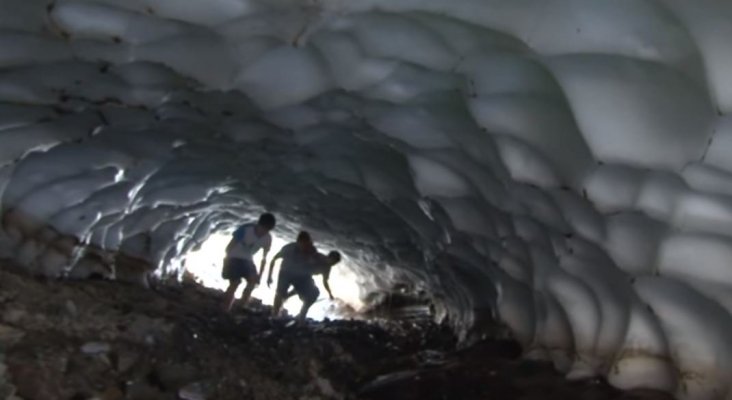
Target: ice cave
562	168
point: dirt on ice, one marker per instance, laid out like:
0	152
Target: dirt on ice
77	340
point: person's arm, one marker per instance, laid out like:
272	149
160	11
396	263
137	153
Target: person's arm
264	261
326	275
265	251
271	267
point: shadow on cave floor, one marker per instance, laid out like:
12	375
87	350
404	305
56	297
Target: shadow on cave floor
109	341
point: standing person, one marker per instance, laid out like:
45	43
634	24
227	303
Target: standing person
293	267
304	285
246	241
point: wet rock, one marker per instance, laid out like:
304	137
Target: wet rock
96	348
195	391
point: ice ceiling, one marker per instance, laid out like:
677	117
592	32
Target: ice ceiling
563	164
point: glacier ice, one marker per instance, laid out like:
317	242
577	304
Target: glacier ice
562	166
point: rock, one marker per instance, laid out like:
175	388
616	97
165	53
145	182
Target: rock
431	358
9	336
255	303
112	393
125	361
7	296
139	390
71	308
14	316
147	330
7	390
96	348
193	391
384	381
35	381
326	388
176	375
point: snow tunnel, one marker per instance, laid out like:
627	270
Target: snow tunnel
562	167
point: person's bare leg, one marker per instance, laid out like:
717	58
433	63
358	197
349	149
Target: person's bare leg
304	310
277	305
230	295
247	293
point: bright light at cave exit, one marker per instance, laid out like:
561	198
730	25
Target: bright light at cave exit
206	263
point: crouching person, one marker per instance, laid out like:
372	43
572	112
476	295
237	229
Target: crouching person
304	284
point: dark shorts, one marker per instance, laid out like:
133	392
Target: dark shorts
237	268
304	286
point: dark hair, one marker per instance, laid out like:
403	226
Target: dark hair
304	236
267	220
335	255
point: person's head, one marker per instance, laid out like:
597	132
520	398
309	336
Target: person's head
334	258
265	224
304	242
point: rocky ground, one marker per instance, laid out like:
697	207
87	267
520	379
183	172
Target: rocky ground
109	341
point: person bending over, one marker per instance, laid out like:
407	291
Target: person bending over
304	285
293	268
322	269
246	241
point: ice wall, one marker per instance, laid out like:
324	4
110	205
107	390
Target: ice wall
563	165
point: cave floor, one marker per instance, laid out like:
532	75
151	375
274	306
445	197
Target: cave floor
109	341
